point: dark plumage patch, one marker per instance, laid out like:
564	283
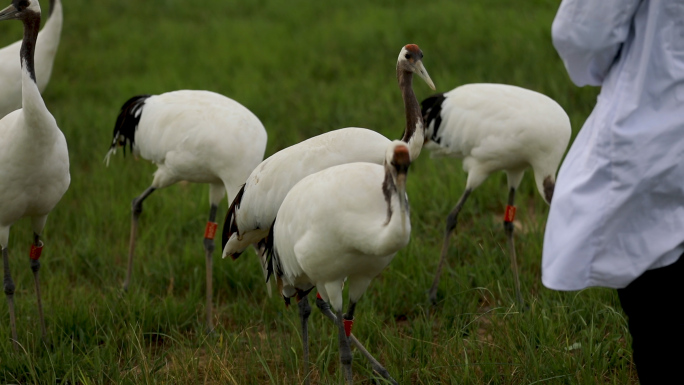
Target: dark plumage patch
431	109
549	186
388	188
230	224
127	122
272	261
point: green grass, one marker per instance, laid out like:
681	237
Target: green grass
303	67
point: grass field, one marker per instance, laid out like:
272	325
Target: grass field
304	68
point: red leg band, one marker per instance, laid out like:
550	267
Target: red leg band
348	323
35	252
509	216
210	231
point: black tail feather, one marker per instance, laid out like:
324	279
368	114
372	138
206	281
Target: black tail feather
127	122
431	109
230	224
273	266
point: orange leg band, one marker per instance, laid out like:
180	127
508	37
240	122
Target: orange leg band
35	252
348	323
210	231
509	216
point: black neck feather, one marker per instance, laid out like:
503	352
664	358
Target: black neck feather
52	7
28	45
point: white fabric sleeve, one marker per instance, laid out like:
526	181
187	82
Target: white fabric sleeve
588	35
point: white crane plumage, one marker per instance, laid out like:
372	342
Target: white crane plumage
34	159
194	136
46	49
254	209
496	127
344	223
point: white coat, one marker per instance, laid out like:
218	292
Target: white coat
618	206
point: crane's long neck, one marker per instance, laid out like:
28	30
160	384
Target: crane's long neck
414	133
48	43
32	103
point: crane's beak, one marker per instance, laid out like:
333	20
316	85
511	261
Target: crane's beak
420	70
9	13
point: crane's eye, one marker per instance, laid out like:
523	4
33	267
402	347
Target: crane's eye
408	56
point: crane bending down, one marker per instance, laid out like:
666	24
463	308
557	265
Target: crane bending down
195	136
254	209
45	51
495	127
344	223
34	159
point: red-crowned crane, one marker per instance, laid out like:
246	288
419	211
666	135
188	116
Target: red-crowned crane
495	127
344	223
46	49
34	159
194	136
254	208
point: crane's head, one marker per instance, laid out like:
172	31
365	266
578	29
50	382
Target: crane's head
20	10
411	60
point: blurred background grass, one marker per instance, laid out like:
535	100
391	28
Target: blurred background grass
303	68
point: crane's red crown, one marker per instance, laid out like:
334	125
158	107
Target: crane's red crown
401	155
412	48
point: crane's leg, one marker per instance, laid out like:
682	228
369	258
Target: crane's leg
345	350
450	226
304	312
324	307
136	210
34	256
509	216
9	293
216	192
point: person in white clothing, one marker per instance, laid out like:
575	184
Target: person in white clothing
617	215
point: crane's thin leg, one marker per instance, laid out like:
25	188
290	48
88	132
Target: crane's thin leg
324	307
136	210
508	228
34	256
450	226
304	312
209	234
345	350
9	293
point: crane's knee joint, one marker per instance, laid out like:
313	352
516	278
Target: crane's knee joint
304	309
451	223
324	306
35	265
136	207
346	357
9	287
209	245
508	227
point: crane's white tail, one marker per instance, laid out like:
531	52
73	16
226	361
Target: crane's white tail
230	223
126	124
431	109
